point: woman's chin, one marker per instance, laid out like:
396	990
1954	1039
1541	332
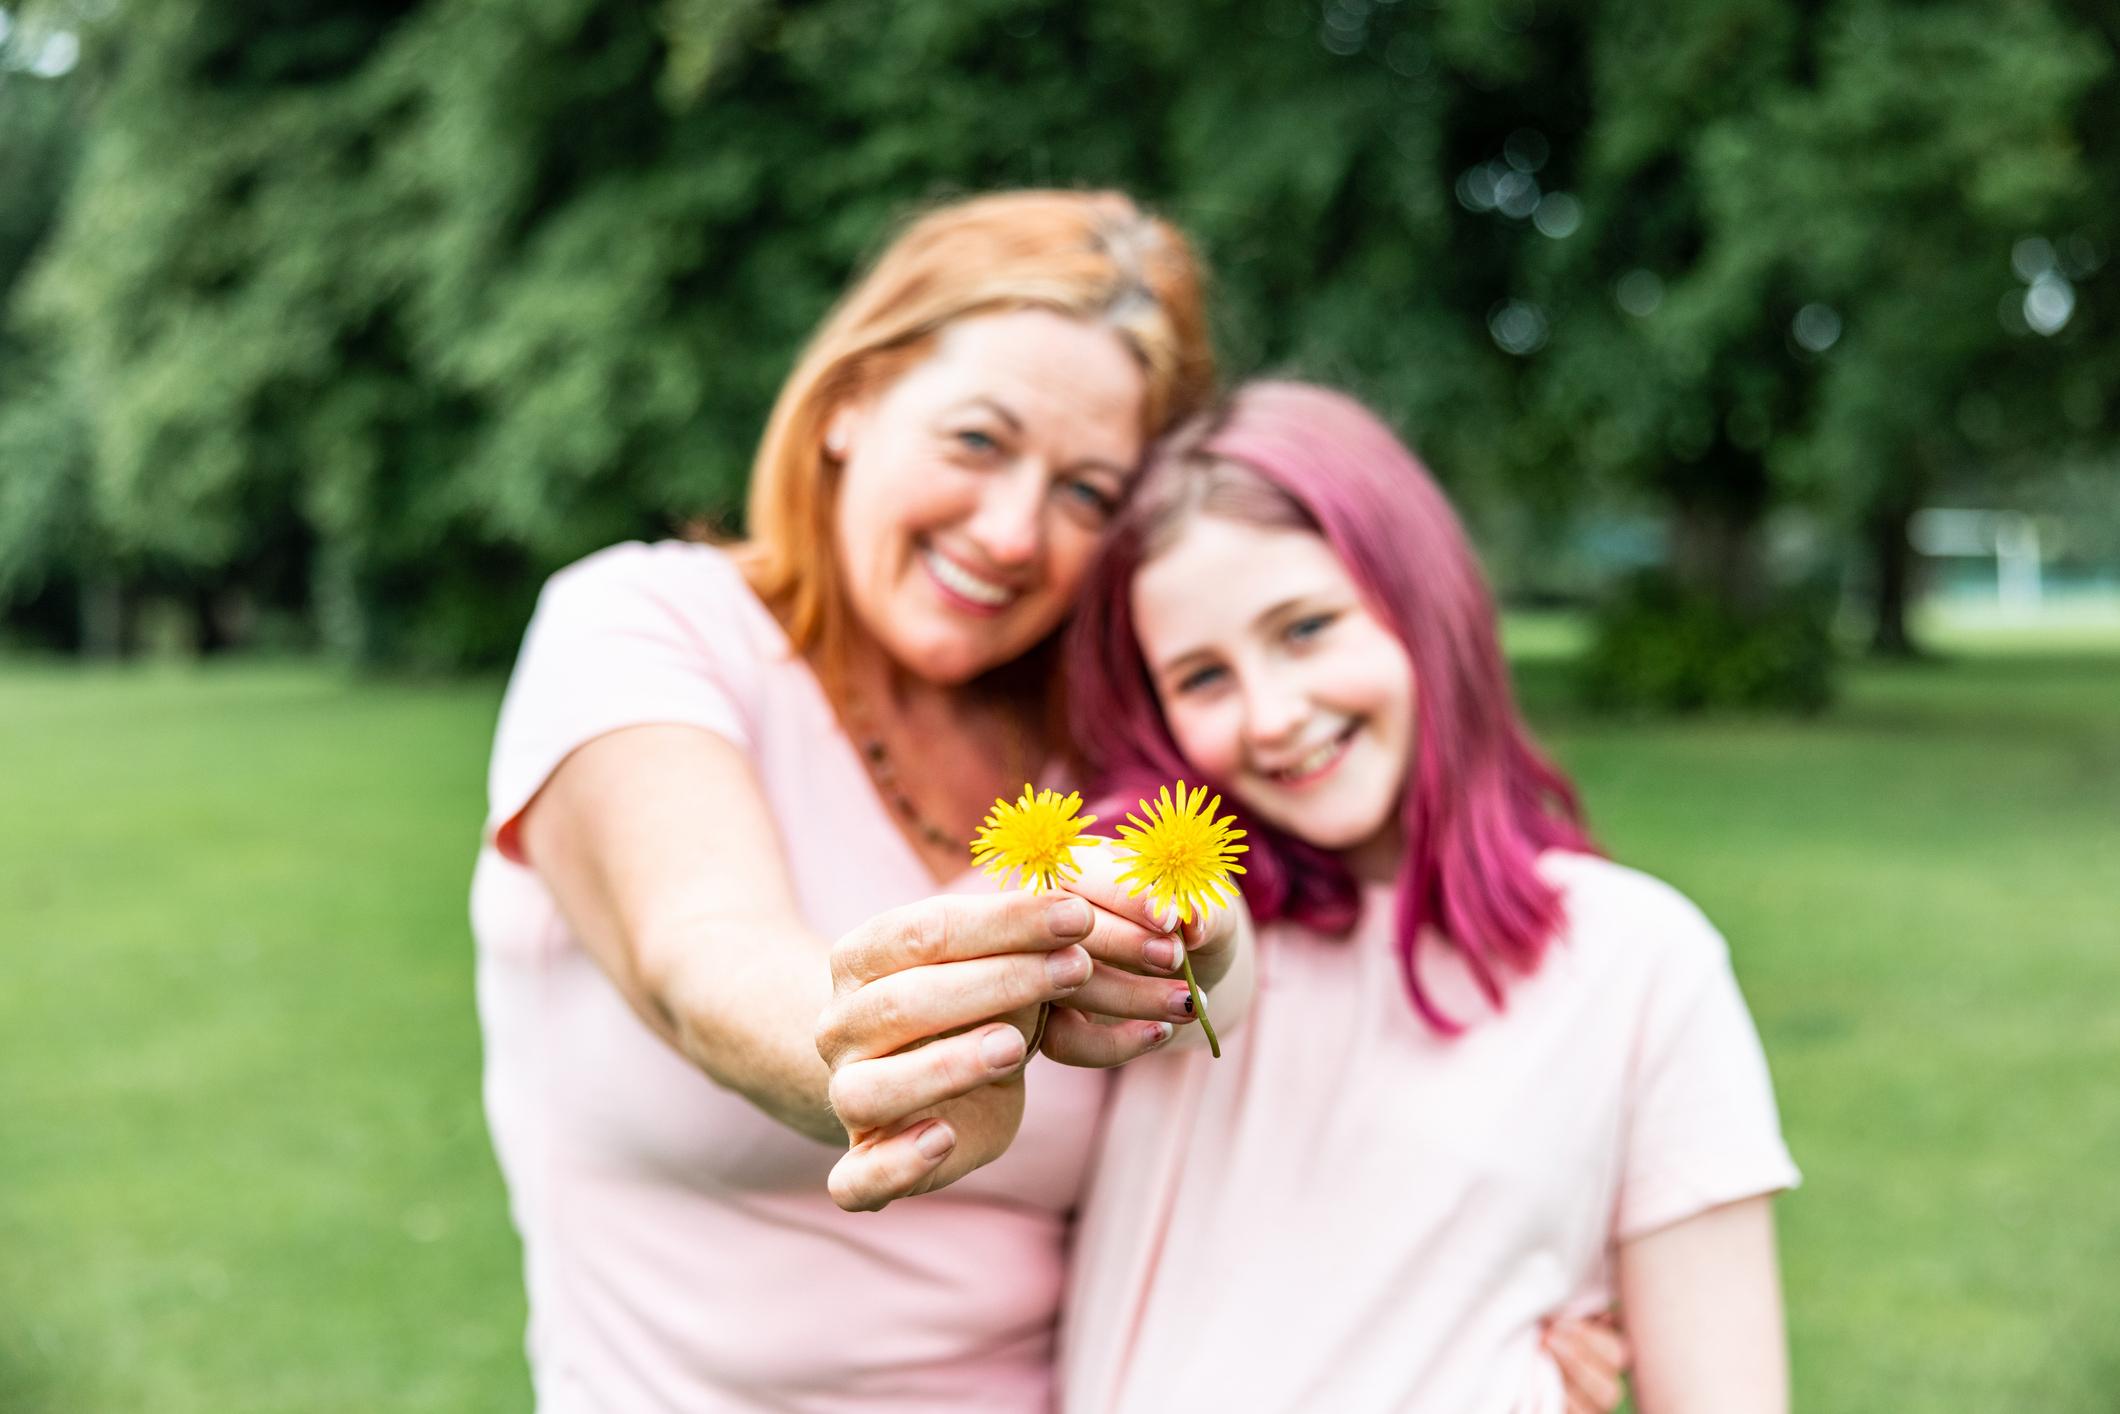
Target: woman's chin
953	660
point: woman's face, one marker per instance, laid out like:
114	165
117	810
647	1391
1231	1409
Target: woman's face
1276	679
975	487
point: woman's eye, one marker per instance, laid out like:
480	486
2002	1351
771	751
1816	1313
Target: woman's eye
977	442
1091	495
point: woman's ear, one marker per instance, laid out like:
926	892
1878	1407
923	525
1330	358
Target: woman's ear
839	430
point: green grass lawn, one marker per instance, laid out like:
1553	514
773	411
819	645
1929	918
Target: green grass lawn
242	1166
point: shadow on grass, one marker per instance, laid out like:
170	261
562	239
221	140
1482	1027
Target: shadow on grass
28	1383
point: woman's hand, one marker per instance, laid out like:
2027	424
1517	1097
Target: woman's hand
1592	1356
935	1007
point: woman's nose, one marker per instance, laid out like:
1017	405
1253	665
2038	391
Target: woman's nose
1008	525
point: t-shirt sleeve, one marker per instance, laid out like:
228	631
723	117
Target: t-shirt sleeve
631	636
1702	1129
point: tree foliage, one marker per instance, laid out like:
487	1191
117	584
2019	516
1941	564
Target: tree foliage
374	313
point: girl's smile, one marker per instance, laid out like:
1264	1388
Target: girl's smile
1278	681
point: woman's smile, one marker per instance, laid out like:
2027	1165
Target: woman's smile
963	589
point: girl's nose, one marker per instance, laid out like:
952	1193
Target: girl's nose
1273	712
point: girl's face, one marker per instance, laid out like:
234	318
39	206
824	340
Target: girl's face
976	485
1277	681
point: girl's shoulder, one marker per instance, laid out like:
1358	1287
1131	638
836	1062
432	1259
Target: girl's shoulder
1609	907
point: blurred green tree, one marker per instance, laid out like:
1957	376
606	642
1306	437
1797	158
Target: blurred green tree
378	312
46	530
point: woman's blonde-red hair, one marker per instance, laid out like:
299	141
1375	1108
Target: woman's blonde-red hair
1093	255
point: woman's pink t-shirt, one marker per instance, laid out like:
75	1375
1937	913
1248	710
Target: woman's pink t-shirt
680	1250
1351	1212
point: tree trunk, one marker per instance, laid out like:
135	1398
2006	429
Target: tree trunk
1892	561
102	615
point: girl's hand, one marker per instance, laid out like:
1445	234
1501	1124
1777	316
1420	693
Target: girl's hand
935	1007
1099	1025
1592	1356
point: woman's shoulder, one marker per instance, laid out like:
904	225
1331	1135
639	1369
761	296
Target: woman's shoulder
699	589
1610	905
658	564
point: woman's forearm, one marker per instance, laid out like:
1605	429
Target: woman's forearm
739	997
689	911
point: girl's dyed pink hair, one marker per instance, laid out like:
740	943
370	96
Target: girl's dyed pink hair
1481	802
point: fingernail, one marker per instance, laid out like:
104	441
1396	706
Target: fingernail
1168	917
1068	917
1181	1003
1162	1030
1001	1048
1161	954
935	1141
1068	967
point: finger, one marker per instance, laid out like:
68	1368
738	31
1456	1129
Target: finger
880	1093
1074	1038
1122	942
1097	879
1589	1371
893	1011
1210	933
953	927
1594	1343
1116	993
872	1174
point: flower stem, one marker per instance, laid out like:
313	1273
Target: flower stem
1199	1001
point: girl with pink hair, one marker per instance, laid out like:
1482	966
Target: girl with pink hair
1489	1078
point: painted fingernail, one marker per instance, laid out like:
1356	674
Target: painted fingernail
1068	917
1160	1031
1181	1003
935	1141
1161	954
1069	967
1002	1047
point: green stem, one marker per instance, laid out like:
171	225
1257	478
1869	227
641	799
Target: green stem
1199	1001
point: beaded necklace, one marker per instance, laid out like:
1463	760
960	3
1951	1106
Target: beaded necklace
890	781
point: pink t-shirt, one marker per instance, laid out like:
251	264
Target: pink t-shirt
1350	1212
680	1250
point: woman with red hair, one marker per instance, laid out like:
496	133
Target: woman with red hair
714	762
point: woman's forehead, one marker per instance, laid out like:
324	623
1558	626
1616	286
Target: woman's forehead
1052	373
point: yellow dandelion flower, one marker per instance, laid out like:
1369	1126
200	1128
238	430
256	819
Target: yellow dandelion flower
1180	855
1034	838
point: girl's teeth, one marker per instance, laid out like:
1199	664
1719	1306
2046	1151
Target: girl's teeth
1315	761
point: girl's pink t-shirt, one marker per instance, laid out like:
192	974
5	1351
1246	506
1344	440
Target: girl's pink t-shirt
680	1250
1351	1212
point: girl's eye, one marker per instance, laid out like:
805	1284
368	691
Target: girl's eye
1203	676
1309	627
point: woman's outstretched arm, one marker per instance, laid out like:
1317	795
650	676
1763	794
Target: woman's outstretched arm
660	850
1701	1300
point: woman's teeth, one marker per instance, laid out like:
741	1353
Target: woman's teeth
958	580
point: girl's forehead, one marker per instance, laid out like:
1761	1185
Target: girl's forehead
1220	575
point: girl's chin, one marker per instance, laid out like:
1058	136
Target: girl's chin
1338	833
